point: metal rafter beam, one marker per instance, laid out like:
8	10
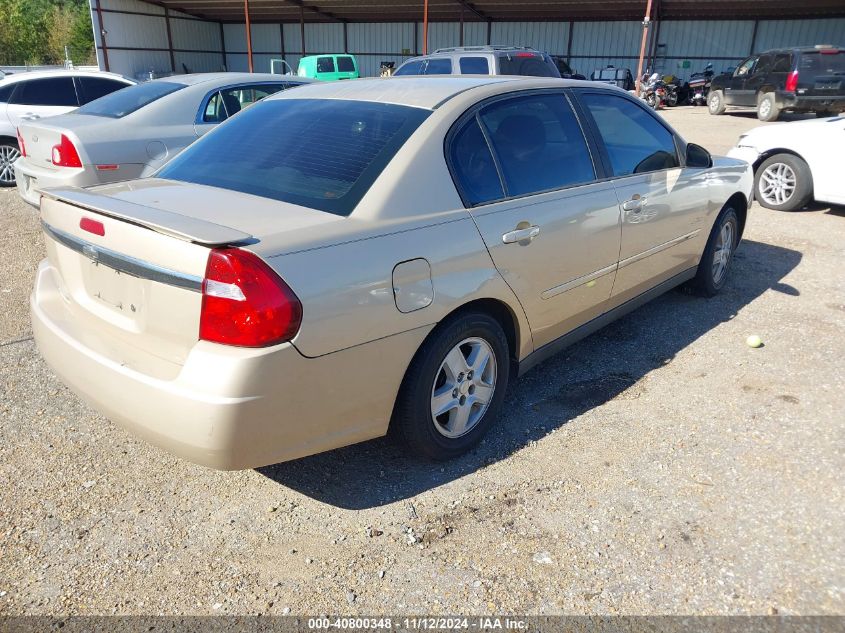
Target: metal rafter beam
315	10
470	7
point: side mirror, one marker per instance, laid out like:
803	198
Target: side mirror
697	156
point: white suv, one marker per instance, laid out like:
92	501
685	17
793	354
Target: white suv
38	94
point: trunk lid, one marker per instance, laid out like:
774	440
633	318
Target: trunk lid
821	73
39	140
131	264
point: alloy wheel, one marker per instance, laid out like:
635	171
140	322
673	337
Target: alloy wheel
463	387
8	155
722	252
765	108
777	184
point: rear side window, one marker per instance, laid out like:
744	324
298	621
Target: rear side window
539	143
473	167
55	91
782	63
228	102
345	64
319	153
474	66
635	141
6	92
525	63
96	87
325	65
119	104
832	63
438	66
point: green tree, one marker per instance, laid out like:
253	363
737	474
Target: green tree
36	31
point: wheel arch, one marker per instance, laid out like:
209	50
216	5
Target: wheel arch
6	137
503	314
738	203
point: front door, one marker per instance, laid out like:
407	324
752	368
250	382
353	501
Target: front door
736	92
524	167
663	206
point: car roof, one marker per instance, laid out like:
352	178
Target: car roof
199	78
59	72
802	49
428	92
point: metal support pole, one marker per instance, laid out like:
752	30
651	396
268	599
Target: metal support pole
302	28
425	27
104	47
345	38
569	43
489	32
646	21
169	40
754	38
462	26
223	44
248	35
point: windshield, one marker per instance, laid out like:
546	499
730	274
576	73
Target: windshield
119	104
319	153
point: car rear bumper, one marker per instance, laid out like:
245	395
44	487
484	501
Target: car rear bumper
788	100
224	407
31	180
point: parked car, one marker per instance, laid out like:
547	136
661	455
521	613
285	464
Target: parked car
329	67
344	258
130	134
481	60
37	94
565	69
807	79
619	77
795	163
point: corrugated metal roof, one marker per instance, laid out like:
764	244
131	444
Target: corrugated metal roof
498	10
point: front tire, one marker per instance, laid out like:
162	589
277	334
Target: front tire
9	153
767	107
718	253
783	182
716	102
454	388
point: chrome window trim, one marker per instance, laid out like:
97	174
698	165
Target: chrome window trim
124	263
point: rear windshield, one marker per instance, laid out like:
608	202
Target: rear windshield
524	63
119	104
321	154
832	63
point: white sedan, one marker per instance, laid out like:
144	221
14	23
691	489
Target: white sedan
796	162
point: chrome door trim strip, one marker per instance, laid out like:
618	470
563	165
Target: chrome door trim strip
580	281
124	263
656	249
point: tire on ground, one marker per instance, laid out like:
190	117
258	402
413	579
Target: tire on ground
803	192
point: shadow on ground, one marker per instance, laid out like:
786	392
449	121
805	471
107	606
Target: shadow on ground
586	375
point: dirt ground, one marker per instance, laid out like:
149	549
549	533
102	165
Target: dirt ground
659	466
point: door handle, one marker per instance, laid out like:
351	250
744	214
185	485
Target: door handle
635	204
521	235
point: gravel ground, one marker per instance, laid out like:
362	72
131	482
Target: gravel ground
659	466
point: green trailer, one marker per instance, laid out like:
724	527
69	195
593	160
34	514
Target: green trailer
329	67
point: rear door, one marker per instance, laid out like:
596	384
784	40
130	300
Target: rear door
758	79
526	172
663	206
821	73
36	98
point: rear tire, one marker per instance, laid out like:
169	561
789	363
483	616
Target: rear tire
716	260
716	102
9	153
767	107
783	182
448	374
823	114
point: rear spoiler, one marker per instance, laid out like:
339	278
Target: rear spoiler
166	222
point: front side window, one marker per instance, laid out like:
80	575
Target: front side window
96	87
474	66
345	64
473	167
635	141
438	66
55	91
539	143
325	65
414	67
745	67
123	102
319	153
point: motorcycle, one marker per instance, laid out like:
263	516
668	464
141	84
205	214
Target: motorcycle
672	97
699	85
652	90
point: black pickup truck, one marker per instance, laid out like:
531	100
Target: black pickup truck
806	79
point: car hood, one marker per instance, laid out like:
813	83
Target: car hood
781	132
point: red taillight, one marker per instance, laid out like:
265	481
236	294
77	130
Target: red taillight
526	55
92	226
65	154
245	303
21	144
792	81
